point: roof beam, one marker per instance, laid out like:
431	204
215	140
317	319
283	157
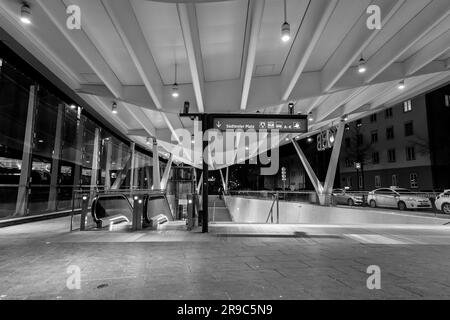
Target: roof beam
189	27
125	21
265	91
418	27
427	54
339	99
56	11
79	40
354	44
315	21
256	8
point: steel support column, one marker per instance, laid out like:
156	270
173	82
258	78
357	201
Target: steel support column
309	170
205	216
156	173
52	197
25	172
95	162
165	177
334	159
133	164
78	154
108	164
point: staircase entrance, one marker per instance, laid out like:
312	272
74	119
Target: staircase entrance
218	211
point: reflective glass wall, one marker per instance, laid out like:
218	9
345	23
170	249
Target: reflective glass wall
50	149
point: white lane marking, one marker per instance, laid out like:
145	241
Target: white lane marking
374	239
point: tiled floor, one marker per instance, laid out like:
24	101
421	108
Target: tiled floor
233	261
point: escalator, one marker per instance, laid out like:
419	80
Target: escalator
116	208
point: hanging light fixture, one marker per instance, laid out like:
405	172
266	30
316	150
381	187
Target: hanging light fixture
401	85
175	93
310	117
362	65
285	27
25	13
291	108
114	108
148	141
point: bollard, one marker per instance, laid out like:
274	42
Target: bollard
84	211
138	205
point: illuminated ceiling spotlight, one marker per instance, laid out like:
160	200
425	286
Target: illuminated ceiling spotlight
362	65
114	108
401	85
285	27
332	138
291	108
310	116
175	92
25	13
309	140
345	117
72	106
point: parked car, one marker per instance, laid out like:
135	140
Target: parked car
397	198
442	202
342	197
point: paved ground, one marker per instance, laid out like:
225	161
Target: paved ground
234	261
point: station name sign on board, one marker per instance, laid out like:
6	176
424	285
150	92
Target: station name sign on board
282	123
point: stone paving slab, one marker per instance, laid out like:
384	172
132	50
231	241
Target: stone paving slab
231	262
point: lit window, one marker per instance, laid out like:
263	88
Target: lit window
447	100
413	181
360	182
407	106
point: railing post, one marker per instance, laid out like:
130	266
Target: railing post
278	208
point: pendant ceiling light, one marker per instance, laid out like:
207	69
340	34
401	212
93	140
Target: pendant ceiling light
114	108
175	93
285	27
25	14
401	85
362	65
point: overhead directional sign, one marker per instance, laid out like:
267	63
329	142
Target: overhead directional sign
269	122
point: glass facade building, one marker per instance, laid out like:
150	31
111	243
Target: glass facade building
50	149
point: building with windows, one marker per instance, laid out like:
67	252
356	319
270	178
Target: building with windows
405	145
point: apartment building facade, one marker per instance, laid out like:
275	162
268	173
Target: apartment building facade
404	145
